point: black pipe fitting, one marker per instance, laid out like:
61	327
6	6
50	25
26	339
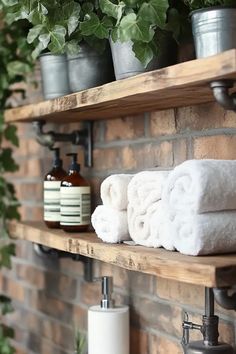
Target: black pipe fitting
221	93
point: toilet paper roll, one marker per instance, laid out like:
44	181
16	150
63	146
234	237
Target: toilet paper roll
108	330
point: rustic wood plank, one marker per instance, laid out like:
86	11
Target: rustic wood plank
175	86
213	271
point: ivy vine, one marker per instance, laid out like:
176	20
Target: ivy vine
15	63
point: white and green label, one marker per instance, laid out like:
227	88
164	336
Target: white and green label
52	200
75	206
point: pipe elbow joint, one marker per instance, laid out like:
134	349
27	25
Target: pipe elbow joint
222	96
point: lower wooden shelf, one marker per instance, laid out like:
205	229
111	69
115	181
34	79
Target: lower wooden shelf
210	271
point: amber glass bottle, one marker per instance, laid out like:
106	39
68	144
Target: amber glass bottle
52	184
75	200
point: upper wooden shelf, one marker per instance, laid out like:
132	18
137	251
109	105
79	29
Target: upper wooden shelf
175	86
211	271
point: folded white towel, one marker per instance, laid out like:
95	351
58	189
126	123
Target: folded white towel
110	225
145	188
144	193
201	186
202	234
114	191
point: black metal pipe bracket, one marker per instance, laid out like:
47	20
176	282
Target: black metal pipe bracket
45	252
224	299
79	137
222	95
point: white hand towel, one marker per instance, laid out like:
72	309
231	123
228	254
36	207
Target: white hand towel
146	188
202	234
114	191
110	225
144	193
201	186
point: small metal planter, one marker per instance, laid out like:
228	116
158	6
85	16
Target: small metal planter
89	69
126	64
54	73
214	30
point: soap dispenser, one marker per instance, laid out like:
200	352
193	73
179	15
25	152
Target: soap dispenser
108	325
52	183
75	199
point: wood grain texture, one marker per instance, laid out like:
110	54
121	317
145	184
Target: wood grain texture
175	86
211	271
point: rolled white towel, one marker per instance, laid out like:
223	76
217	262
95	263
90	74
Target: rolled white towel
110	225
145	188
114	191
202	234
201	186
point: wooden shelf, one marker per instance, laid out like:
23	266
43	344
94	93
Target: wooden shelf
211	271
179	85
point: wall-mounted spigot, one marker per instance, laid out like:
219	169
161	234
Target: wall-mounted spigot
209	330
79	137
222	95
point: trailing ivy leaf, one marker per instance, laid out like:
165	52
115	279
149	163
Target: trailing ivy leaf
44	39
134	28
7	162
6	252
18	68
6	305
111	9
9	2
58	35
143	52
38	49
154	12
92	25
10	134
12	212
87	7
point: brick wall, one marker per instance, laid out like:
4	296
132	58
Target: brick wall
51	298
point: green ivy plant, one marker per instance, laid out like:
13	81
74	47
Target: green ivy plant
15	64
143	22
199	4
58	26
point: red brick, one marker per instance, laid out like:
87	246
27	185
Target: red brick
124	128
215	147
90	293
120	275
162	123
180	151
162	345
105	159
29	191
13	289
31	275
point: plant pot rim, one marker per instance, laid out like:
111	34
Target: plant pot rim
51	54
212	8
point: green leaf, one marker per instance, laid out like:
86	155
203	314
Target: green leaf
44	39
6	305
143	52
154	12
6	252
12	212
10	134
18	68
58	35
72	47
7	162
34	33
111	9
134	28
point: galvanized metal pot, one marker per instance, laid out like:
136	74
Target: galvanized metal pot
54	73
214	30
126	64
89	68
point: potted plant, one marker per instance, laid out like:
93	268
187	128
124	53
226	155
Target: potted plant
213	25
80	343
60	27
140	39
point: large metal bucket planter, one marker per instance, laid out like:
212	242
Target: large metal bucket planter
55	81
89	69
126	64
214	30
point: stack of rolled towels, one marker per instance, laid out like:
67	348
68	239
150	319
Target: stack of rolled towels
191	209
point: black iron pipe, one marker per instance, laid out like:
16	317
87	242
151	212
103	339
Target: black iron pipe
225	300
222	96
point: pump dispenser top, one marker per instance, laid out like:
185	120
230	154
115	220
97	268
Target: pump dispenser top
107	288
57	162
74	166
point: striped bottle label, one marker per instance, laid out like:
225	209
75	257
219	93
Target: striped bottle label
75	206
52	200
